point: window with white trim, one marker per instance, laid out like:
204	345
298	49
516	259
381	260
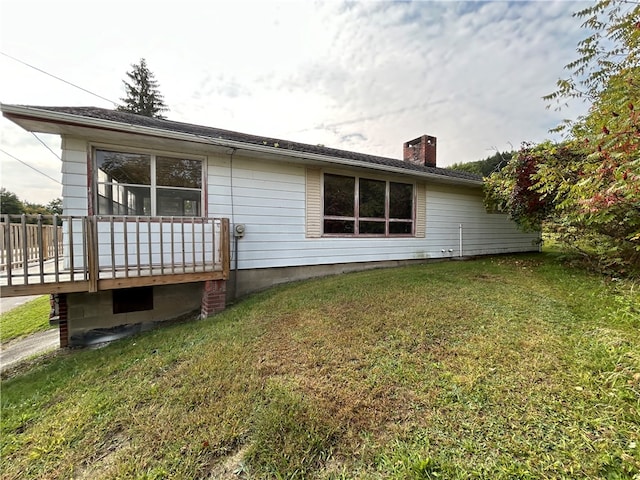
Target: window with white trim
147	184
367	207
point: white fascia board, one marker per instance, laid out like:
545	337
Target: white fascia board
59	117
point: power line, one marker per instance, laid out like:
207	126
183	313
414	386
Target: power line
33	168
46	146
57	78
32	133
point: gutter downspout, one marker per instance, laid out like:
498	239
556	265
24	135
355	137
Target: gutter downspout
460	231
233	228
235	268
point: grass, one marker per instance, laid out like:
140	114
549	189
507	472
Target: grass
28	318
499	368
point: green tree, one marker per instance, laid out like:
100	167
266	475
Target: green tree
484	167
54	207
35	209
587	188
142	93
10	203
609	51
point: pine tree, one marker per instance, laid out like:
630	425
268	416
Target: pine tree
143	96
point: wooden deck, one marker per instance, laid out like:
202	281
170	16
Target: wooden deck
87	254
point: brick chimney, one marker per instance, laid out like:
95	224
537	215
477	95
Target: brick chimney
421	151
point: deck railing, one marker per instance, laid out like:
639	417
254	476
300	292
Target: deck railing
103	252
29	241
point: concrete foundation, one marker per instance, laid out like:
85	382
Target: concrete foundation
90	314
245	282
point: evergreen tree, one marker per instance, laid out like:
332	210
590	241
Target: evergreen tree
143	96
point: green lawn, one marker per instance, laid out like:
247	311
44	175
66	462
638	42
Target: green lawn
25	319
498	368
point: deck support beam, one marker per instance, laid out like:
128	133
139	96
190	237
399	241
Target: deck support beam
213	297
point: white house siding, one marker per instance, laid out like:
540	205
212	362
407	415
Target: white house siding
218	186
74	176
448	208
313	202
74	197
270	199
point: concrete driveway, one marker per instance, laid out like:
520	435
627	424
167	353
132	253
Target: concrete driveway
21	349
8	303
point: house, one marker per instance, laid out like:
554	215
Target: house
162	218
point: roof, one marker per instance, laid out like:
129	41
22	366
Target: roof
126	118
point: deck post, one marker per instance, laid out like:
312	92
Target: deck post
40	248
92	252
8	247
225	256
25	248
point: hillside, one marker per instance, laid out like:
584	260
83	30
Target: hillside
503	367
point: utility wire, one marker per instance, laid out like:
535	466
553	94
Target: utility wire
32	133
57	78
33	168
46	146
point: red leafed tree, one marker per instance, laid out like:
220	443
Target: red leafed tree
587	189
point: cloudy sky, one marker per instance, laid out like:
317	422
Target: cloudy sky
364	76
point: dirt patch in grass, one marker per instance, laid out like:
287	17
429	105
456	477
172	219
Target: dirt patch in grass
232	467
369	364
106	459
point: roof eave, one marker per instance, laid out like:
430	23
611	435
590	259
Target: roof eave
16	113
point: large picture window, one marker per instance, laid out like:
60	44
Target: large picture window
147	184
362	206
